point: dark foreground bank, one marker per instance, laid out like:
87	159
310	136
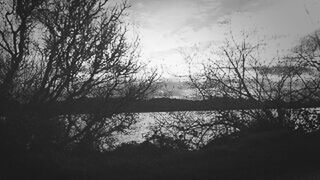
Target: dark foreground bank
264	155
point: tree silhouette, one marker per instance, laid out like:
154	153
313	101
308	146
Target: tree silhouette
239	74
193	129
64	51
307	54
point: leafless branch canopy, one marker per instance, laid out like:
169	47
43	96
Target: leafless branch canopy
55	51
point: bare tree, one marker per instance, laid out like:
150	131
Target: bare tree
54	51
238	74
307	55
193	129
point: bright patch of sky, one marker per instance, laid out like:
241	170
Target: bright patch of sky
167	27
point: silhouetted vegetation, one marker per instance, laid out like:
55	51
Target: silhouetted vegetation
264	155
62	52
246	94
70	81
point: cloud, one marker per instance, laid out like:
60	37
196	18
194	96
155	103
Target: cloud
174	24
197	13
166	24
213	11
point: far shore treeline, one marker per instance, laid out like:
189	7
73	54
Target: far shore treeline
88	105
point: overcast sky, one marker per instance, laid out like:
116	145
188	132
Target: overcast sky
167	26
